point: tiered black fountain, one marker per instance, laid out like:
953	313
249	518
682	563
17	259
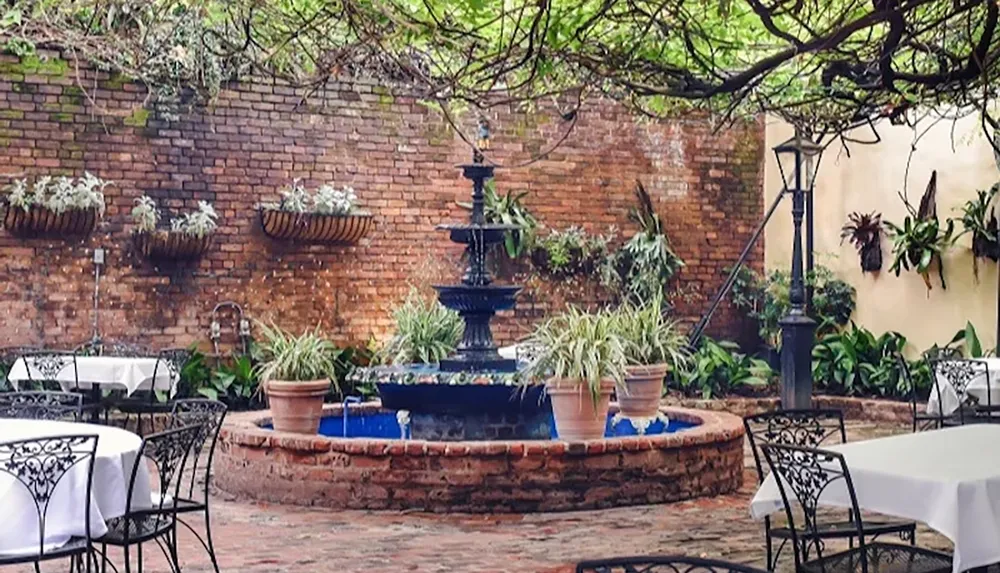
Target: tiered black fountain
473	394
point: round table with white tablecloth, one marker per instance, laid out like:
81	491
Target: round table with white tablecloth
117	450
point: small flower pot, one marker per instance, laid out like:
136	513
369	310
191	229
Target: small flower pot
296	407
578	416
165	245
643	390
40	221
315	227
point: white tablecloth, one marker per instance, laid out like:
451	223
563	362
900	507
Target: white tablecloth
128	373
949	398
116	453
948	479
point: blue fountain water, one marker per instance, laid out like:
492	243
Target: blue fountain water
385	425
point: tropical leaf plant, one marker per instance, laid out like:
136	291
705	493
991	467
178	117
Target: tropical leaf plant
508	209
979	219
718	369
920	242
855	362
864	230
426	332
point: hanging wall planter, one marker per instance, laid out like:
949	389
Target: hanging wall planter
979	219
167	245
315	227
865	232
188	238
327	216
38	221
54	206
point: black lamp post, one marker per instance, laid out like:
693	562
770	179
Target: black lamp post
798	161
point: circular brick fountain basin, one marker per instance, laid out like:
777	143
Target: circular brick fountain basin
257	463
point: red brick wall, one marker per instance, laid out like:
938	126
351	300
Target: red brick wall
399	156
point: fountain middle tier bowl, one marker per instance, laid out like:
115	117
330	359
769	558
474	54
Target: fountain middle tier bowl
486	234
478	299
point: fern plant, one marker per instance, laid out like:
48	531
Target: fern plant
426	332
864	230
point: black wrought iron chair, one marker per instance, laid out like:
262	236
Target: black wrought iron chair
41	405
9	355
144	405
959	373
194	495
168	451
38	466
921	419
805	474
663	564
52	370
808	428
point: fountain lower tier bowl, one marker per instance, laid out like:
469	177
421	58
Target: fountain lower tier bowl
478	299
485	234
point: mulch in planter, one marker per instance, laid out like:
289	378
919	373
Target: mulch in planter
40	221
171	246
315	227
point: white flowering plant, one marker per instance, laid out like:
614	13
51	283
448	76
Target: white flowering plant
199	223
59	194
326	200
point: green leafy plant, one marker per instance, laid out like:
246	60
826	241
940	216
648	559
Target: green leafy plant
978	218
578	347
326	200
854	362
569	252
283	356
967	341
59	194
918	244
865	232
426	332
648	335
718	369
198	223
508	209
641	268
235	383
766	300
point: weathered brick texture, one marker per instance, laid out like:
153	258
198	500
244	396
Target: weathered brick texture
399	156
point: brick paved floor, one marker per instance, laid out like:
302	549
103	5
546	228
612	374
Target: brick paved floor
254	538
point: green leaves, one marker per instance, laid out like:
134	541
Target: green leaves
918	244
854	362
717	369
648	335
426	332
284	356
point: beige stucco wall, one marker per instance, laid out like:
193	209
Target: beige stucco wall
868	180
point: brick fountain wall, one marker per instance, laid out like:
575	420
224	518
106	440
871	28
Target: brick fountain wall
397	154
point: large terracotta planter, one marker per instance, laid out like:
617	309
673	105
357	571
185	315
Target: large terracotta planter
643	389
578	416
40	221
296	406
315	227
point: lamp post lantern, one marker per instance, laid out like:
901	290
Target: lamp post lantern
798	160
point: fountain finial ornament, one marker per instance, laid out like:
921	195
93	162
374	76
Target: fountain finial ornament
482	140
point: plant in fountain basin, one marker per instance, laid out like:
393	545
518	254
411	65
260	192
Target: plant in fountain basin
582	358
426	332
653	346
297	373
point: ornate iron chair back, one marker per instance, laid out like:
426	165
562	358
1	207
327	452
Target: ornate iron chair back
167	452
8	356
807	428
208	415
803	475
959	373
44	368
41	405
127	350
663	564
38	466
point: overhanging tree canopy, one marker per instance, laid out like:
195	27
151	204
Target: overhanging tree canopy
824	65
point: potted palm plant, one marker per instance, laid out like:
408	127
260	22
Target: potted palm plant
582	359
296	373
653	346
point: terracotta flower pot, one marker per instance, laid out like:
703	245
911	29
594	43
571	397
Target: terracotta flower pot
578	416
643	389
297	406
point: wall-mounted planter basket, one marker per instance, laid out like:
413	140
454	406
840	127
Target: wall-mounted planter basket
164	245
40	221
315	227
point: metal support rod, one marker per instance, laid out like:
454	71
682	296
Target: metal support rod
810	259
699	329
